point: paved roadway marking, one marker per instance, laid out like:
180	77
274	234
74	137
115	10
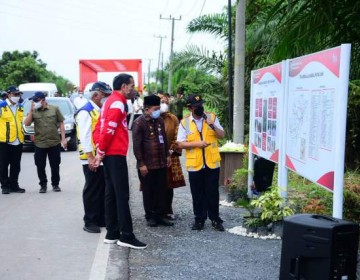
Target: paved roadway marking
98	268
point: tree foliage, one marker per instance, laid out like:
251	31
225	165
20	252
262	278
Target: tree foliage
215	24
25	67
309	26
278	30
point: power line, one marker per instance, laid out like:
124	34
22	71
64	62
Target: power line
178	7
191	35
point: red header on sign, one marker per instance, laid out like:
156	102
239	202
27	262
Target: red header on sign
275	70
329	58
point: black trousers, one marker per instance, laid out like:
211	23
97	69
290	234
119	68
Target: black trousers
169	201
154	193
204	185
117	209
53	153
10	155
94	196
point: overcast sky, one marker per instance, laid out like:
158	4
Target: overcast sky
68	30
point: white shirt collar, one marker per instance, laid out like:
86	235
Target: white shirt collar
192	119
95	106
9	103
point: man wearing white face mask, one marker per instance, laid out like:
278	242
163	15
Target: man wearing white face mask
11	140
152	155
94	188
138	106
47	119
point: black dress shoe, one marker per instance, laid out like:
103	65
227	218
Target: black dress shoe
152	223
5	191
43	189
164	222
56	189
198	226
170	217
17	190
218	226
92	228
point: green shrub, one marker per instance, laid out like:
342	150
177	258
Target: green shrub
307	197
272	206
351	206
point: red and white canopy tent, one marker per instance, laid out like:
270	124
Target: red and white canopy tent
90	67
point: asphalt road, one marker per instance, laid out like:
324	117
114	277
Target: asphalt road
41	237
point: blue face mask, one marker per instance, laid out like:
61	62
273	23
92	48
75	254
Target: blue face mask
155	114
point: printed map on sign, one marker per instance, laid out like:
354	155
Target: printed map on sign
297	127
313	85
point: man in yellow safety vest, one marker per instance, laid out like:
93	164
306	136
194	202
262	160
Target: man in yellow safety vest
198	134
11	140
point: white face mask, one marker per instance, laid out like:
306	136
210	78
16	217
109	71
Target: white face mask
15	99
164	107
37	105
102	101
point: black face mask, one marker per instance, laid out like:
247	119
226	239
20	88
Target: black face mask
199	111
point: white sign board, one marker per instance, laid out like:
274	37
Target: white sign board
316	119
267	91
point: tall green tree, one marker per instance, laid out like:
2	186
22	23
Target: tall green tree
26	67
308	26
17	68
217	25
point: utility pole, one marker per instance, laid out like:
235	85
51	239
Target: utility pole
230	70
158	67
144	80
171	49
162	72
149	76
239	73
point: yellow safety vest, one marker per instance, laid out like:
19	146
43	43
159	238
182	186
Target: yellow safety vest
94	114
11	125
195	156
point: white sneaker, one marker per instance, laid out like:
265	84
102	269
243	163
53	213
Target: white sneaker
133	243
110	241
111	237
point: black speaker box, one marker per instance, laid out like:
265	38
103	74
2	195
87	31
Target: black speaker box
316	247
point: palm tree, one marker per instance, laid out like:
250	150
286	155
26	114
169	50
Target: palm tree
212	63
199	71
308	26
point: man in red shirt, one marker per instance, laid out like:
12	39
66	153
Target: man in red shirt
112	139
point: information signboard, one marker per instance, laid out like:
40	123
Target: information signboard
267	91
314	121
